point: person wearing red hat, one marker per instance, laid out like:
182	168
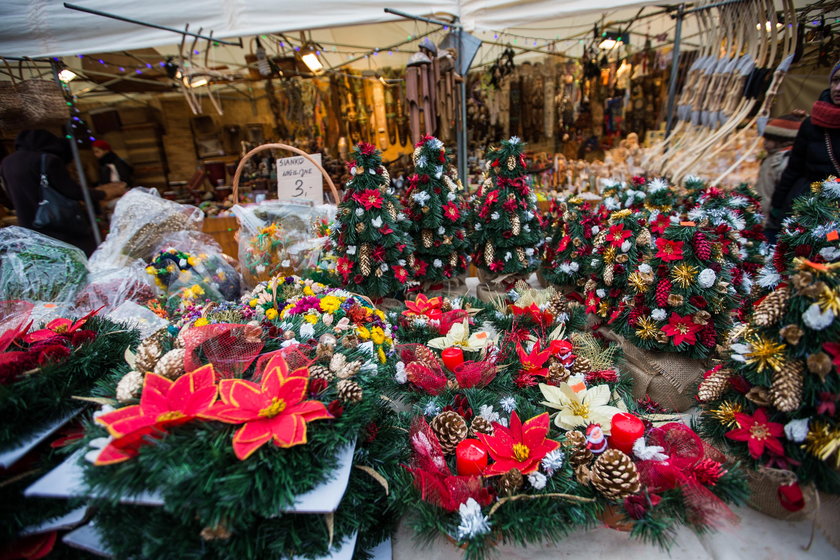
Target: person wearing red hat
815	154
778	142
112	168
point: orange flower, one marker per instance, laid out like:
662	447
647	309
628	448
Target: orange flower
273	410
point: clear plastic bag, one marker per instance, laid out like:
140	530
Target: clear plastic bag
34	267
142	220
138	317
279	237
111	287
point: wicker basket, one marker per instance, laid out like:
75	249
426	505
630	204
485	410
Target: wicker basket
764	486
43	103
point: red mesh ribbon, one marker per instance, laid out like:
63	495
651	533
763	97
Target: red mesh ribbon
686	452
432	477
450	318
475	374
296	357
14	317
426	375
231	348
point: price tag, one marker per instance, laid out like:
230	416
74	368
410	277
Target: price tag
299	179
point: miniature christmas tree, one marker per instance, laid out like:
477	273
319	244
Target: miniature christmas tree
373	247
437	213
508	232
622	246
565	260
683	297
774	400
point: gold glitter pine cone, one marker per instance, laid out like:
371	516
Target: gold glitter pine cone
712	387
171	365
130	387
450	429
148	354
771	310
787	386
614	475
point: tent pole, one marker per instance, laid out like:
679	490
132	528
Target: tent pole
462	121
675	66
77	159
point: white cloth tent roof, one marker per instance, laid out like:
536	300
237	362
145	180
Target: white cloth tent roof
43	28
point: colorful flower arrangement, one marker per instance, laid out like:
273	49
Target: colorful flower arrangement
185	279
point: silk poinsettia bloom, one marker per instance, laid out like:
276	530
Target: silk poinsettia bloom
533	363
459	335
274	410
519	446
682	329
759	433
423	307
668	250
579	407
451	211
58	327
369	198
163	404
617	234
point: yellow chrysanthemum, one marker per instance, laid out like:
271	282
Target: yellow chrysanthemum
307	291
311	318
151	270
377	335
271	314
200	322
381	354
253	302
363	332
330	304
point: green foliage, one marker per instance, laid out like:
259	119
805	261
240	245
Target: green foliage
40	397
373	247
507	232
438	214
566	255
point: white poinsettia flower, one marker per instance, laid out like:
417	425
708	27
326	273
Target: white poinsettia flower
459	335
579	408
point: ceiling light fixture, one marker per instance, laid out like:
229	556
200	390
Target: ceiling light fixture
67	75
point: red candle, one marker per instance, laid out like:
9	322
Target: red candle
452	357
471	457
625	429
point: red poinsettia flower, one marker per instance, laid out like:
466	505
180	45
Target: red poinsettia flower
833	348
563	244
660	224
592	302
344	267
521	446
451	211
533	312
423	306
163	404
681	329
758	432
367	148
369	198
533	363
618	234
386	230
400	273
59	327
273	410
497	266
669	250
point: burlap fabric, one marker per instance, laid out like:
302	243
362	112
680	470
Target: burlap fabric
668	378
491	286
764	494
452	287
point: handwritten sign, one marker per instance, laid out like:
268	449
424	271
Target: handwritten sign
299	179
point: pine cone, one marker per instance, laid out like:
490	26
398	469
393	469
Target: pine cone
450	429
557	305
515	225
510	482
609	272
615	476
360	227
771	310
148	354
581	365
130	387
663	290
520	254
713	386
575	445
786	388
481	425
511	163
453	259
349	391
364	259
643	238
426	237
392	212
171	365
320	372
489	253
702	247
557	373
427	357
446	305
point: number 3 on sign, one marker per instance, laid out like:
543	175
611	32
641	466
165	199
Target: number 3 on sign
300	179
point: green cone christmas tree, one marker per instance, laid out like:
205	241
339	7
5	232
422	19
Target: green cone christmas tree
438	213
565	259
508	233
374	249
683	298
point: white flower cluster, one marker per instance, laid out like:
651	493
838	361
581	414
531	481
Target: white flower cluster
706	278
421	197
473	522
816	319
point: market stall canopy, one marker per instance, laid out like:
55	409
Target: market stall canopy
42	28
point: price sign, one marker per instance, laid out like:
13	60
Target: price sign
299	179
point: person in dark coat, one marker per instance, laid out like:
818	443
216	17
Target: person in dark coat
815	154
20	173
112	168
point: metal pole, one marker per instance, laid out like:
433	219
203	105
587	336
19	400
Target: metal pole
462	121
675	66
453	25
77	159
152	25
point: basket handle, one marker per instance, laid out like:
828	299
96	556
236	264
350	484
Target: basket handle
278	146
